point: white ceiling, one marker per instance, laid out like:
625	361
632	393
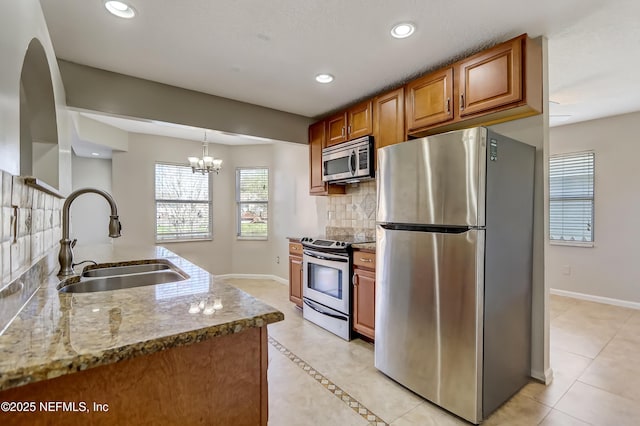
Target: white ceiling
268	52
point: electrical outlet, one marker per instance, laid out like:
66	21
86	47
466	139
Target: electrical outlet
278	260
566	270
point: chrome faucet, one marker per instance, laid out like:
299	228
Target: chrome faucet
65	257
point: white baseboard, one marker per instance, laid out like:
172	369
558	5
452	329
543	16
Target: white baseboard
546	377
599	299
256	277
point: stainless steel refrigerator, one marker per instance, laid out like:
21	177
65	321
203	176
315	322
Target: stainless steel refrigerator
454	247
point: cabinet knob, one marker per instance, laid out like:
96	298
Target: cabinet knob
355	279
461	101
364	259
448	105
349	129
343	131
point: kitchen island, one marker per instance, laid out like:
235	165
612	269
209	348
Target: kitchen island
144	355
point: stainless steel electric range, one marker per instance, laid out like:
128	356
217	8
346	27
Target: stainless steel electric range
327	282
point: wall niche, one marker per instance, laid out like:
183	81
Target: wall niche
38	124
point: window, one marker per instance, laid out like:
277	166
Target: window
183	204
571	198
252	198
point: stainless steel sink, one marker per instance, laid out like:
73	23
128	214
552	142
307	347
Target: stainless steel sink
121	277
125	270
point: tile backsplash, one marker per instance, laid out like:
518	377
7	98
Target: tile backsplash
31	225
353	213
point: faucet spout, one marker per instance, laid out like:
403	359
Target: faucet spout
65	256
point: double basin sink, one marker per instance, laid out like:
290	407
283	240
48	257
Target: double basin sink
105	277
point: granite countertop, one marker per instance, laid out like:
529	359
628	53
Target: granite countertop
365	246
62	333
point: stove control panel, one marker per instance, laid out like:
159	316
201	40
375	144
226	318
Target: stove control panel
325	244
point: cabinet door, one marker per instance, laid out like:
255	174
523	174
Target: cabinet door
316	143
429	100
491	79
388	126
364	302
295	280
336	129
359	120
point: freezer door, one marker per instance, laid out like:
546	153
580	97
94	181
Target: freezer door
438	180
428	327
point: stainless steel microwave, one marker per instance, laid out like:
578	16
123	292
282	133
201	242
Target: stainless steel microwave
348	162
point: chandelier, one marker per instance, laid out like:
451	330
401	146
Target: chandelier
206	164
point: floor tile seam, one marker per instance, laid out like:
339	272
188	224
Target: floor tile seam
552	406
632	401
413	408
330	386
566	414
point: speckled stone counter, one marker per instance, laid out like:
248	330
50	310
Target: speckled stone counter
62	333
371	247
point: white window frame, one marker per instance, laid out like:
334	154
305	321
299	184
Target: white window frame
156	200
593	203
239	203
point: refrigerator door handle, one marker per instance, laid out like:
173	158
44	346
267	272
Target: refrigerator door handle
429	228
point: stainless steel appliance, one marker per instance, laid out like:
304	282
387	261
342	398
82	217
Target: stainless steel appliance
454	257
348	162
327	266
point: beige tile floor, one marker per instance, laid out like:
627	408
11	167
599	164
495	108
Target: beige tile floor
594	355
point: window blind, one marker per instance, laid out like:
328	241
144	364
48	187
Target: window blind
183	203
571	198
252	198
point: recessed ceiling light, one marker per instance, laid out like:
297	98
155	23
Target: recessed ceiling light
324	78
95	154
120	9
403	30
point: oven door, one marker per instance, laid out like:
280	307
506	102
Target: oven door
326	279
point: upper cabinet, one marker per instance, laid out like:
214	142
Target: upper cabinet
350	124
491	79
388	111
317	141
430	100
498	84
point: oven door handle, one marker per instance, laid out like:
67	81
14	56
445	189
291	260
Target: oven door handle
329	314
333	259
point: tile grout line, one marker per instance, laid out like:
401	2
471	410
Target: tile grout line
339	393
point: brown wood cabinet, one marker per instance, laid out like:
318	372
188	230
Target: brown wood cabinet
364	293
429	100
388	111
498	84
295	273
317	141
353	123
491	79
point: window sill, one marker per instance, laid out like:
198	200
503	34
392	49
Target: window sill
589	244
252	238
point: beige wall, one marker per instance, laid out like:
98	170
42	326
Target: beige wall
610	268
133	190
89	216
20	22
292	211
296	213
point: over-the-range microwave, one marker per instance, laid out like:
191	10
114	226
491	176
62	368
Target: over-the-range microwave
348	162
